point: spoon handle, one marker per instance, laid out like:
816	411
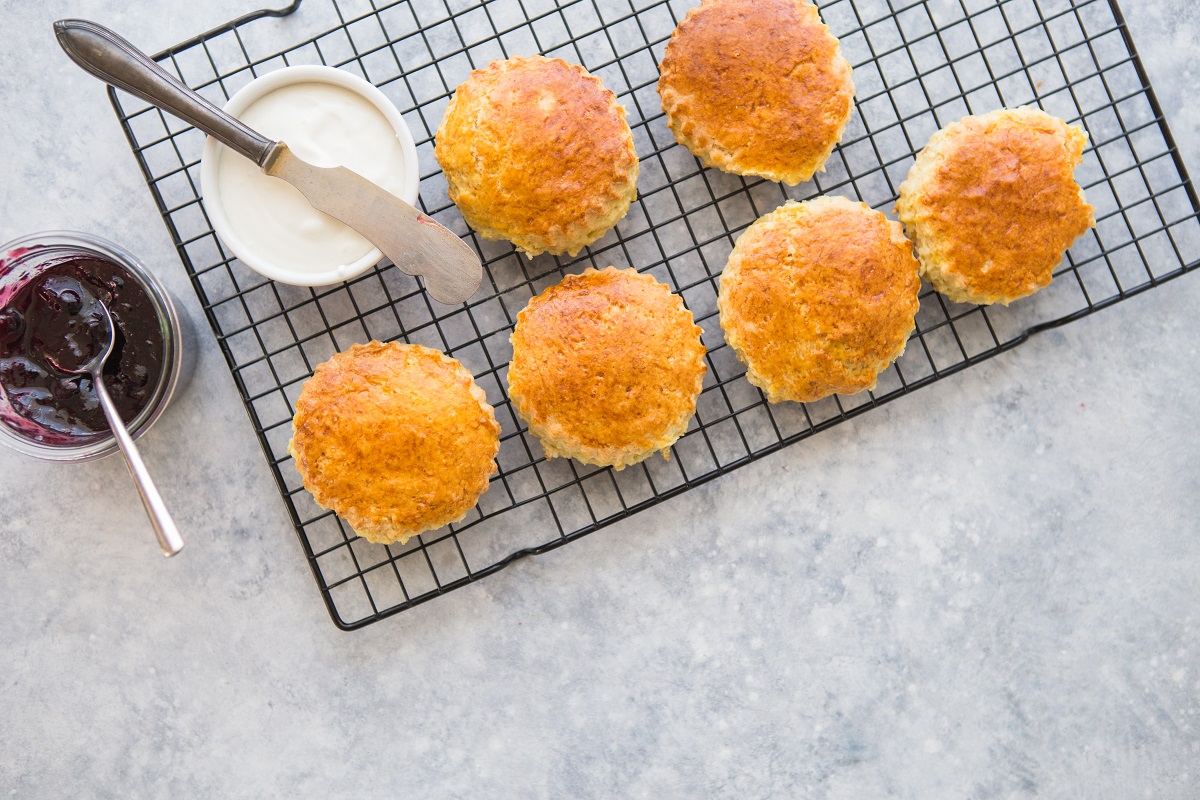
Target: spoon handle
113	60
160	519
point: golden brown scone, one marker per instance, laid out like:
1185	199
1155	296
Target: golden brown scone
395	438
992	204
606	367
757	87
538	152
818	298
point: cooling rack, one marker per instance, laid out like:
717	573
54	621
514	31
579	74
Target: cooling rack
918	65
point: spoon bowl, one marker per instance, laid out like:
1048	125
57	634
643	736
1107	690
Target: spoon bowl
77	333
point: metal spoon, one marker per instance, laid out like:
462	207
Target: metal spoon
169	539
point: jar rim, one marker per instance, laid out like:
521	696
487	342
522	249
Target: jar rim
49	242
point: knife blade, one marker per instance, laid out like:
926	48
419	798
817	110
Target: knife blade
387	222
414	242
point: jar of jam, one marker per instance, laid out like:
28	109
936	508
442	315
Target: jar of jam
55	415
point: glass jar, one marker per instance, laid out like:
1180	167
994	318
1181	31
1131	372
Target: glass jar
22	260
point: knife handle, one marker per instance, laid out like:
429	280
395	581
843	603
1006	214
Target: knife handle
115	61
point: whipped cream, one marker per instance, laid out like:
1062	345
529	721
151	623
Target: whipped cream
326	125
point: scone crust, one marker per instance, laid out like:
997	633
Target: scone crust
818	298
537	151
992	204
757	87
395	438
606	367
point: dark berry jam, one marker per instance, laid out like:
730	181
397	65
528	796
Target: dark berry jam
52	323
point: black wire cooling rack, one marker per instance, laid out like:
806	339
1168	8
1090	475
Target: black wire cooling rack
918	65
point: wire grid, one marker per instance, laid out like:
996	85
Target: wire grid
918	65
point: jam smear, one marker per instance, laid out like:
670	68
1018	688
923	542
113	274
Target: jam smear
53	322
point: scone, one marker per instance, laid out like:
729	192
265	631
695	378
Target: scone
606	367
395	438
992	204
538	152
757	87
818	298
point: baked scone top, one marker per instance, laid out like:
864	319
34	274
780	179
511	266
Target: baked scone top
818	298
606	367
992	204
537	151
757	87
395	438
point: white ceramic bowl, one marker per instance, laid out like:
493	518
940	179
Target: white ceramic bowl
214	151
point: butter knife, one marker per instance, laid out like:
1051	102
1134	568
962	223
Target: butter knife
415	243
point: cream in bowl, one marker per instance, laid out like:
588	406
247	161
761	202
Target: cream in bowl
329	118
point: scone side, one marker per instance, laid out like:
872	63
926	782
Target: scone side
367	521
457	152
689	129
557	439
914	214
858	371
921	220
731	319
